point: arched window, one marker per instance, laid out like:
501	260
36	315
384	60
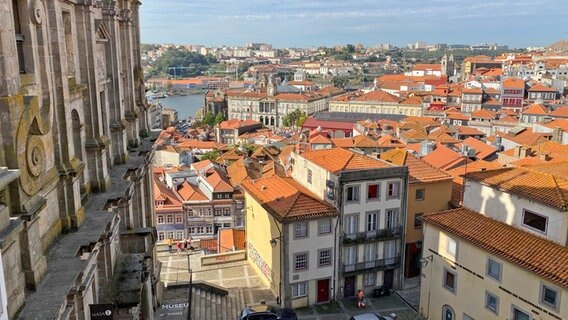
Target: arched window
448	313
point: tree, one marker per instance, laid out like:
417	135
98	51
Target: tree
219	118
291	118
208	118
211	155
350	48
301	119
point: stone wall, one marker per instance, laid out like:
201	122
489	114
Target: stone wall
71	99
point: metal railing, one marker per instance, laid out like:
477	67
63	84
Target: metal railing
381	264
370	236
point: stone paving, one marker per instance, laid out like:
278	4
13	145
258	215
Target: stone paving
239	275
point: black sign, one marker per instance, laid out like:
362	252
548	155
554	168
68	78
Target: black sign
101	311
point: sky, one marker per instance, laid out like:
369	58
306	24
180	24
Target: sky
312	23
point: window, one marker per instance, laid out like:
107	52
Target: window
519	314
209	228
449	280
161	236
452	248
420	194
494	269
300	229
372	221
160	219
324	226
19	36
534	221
179	218
217	212
300	261
179	235
549	297
226	212
492	302
309	176
353	193
447	313
393	190
373	191
324	257
351	224
370	279
170	218
417	220
299	289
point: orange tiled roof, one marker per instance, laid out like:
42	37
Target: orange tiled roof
482	114
526	138
538	255
378	95
558	123
320	139
287	200
558	169
443	157
537	109
237	123
336	160
541	88
514	83
468	131
419	171
189	192
531	184
482	150
561	112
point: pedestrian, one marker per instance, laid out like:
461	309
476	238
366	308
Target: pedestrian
179	245
186	243
170	243
360	297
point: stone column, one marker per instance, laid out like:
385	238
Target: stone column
92	71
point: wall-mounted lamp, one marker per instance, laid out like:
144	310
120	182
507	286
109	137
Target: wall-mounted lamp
424	261
273	241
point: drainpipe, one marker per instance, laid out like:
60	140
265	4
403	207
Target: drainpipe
282	270
404	212
338	238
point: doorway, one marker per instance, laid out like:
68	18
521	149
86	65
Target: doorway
349	287
323	290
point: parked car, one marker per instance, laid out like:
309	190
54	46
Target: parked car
371	316
267	312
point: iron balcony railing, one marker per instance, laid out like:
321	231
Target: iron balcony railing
370	236
381	264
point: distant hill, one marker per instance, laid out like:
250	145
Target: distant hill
558	48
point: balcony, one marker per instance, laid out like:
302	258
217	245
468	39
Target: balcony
381	264
370	236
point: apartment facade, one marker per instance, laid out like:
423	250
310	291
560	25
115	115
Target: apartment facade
370	197
487	269
429	190
295	254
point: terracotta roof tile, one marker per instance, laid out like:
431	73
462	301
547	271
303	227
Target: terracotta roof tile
531	184
538	255
541	88
336	160
419	171
443	157
537	109
287	200
482	149
514	83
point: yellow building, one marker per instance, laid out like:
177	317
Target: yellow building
475	267
291	240
429	190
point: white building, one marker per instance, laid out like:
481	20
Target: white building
370	197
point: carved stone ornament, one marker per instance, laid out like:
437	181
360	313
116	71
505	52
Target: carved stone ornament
35	156
37	11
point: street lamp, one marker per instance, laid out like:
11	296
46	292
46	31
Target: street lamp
424	261
273	245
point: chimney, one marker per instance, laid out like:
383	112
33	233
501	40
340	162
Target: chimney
544	156
517	153
557	133
426	147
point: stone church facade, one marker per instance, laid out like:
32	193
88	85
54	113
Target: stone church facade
74	157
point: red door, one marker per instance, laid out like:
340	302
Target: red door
323	290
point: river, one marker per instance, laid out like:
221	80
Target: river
186	106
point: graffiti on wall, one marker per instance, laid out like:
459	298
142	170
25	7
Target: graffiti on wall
260	263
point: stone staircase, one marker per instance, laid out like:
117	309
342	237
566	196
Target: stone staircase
205	305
